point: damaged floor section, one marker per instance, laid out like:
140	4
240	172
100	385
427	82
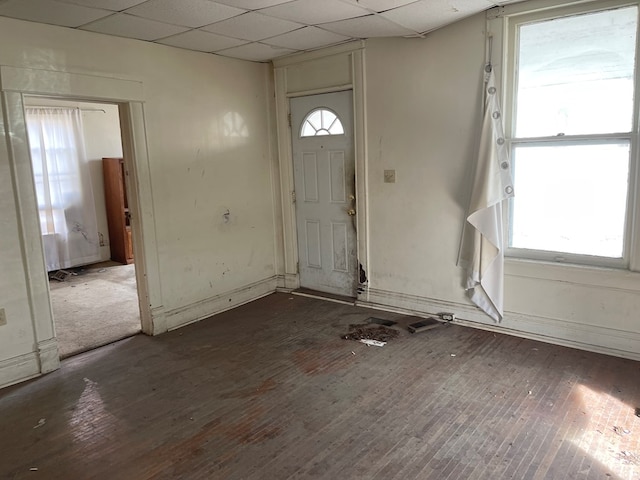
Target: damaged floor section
365	331
270	390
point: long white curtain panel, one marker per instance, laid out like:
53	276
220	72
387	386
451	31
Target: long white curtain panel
482	251
63	187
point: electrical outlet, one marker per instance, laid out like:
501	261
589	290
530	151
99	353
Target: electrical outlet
447	317
3	317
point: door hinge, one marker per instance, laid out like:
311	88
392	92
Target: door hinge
289	119
293	196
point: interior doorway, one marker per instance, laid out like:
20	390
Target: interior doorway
85	220
324	178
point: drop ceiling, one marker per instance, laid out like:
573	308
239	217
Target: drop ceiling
255	30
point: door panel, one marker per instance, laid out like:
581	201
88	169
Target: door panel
338	181
324	174
340	247
313	242
310	173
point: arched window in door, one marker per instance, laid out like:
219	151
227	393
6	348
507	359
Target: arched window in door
321	121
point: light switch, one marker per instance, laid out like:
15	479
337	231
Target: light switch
389	176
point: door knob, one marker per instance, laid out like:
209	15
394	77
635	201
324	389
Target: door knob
351	212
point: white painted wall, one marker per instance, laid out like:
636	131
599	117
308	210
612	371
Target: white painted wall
199	170
423	108
422	115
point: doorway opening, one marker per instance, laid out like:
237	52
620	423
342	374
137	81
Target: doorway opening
81	188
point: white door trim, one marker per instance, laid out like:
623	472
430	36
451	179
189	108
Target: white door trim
289	275
15	82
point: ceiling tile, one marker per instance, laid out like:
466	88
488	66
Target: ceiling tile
52	12
252	4
312	12
280	26
257	52
306	38
252	26
381	5
188	13
123	25
201	41
115	5
427	15
368	27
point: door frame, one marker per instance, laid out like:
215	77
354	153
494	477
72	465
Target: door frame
15	83
326	71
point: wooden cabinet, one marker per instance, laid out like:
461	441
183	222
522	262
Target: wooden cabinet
118	218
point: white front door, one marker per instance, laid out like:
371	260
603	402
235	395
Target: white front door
324	174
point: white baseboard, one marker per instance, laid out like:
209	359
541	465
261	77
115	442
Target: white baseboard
33	364
195	312
18	369
281	284
158	322
600	339
288	282
49	355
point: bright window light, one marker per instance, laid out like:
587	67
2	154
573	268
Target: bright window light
321	122
571	198
571	145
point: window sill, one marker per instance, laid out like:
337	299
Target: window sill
601	277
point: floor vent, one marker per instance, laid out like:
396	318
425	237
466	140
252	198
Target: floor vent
381	321
421	326
61	275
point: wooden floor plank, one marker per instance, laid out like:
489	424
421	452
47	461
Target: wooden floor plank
270	390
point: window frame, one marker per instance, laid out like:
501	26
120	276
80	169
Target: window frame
503	23
329	134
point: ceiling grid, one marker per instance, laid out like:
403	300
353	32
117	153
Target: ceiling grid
255	30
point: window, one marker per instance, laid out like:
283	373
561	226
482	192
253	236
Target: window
56	157
572	122
321	121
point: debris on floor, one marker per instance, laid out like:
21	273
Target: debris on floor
40	423
426	324
372	343
629	458
621	431
61	275
381	321
364	331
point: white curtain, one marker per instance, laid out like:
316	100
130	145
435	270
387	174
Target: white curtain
63	187
482	251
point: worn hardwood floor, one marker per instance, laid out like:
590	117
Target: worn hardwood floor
271	391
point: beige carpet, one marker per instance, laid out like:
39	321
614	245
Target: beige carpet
97	306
